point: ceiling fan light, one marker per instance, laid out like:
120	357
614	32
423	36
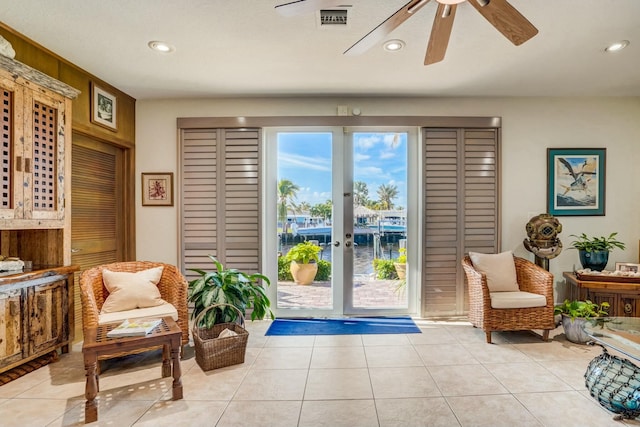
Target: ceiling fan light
450	1
615	47
393	45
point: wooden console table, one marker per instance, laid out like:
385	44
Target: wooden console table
623	297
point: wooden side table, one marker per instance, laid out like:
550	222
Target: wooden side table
97	344
623	297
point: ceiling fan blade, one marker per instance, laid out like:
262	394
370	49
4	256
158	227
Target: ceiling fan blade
506	19
305	7
381	31
440	33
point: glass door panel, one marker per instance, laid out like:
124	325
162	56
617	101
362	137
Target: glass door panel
305	214
379	219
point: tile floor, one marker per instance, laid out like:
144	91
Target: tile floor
446	376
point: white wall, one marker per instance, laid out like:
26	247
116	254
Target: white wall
529	127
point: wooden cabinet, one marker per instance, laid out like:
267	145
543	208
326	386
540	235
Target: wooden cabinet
35	138
36	311
36	307
623	297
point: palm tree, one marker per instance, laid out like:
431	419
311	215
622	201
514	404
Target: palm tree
360	193
287	191
387	193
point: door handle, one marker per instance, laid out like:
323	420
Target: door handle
336	244
347	244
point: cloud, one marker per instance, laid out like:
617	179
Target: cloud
368	142
358	157
293	160
387	155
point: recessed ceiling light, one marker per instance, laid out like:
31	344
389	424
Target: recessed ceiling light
614	47
162	47
393	45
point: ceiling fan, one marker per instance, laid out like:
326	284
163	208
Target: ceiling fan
502	15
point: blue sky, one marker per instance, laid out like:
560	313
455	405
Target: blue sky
305	159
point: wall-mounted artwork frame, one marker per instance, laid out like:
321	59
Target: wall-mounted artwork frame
157	189
576	181
104	108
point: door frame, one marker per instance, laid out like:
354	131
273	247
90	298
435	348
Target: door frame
340	157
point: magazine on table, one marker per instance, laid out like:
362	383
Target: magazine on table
134	328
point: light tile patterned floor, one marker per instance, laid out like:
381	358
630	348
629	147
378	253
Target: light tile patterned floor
447	376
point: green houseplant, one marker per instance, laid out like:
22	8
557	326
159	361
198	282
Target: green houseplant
303	259
400	264
594	251
575	313
228	286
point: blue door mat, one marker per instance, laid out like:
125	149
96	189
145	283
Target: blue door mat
344	326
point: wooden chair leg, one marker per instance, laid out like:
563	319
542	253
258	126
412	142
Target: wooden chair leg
545	335
488	333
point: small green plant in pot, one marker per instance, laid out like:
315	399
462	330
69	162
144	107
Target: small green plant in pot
594	251
400	264
304	262
576	313
228	286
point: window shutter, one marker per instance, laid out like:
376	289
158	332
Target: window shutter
220	203
461	211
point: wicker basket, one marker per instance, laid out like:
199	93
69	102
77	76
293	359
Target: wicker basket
213	352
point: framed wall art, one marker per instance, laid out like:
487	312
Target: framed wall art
157	189
576	181
103	108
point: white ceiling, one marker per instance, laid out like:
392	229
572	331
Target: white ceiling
245	48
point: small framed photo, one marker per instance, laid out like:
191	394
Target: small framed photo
157	189
104	107
628	267
576	181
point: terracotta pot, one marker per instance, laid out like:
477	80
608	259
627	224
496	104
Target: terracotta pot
401	270
303	274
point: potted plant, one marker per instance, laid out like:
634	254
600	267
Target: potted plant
229	286
400	264
575	313
303	259
594	251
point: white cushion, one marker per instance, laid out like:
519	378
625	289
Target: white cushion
517	300
128	291
164	310
499	269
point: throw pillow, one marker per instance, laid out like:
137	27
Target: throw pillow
128	291
499	268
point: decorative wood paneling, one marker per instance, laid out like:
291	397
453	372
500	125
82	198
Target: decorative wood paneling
461	205
220	202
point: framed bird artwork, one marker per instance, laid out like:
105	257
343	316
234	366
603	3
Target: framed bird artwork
576	181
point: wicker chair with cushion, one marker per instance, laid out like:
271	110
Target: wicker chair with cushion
524	302
144	279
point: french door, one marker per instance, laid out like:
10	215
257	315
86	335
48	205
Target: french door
352	193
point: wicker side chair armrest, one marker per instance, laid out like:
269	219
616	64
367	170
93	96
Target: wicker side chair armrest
91	297
535	279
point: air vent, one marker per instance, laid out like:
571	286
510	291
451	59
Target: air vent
333	17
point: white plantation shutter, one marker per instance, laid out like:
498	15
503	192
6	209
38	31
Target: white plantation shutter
219	198
461	207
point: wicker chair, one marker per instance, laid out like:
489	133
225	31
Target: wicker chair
173	289
531	278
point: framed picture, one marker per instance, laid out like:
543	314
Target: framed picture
103	108
627	266
576	181
157	189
